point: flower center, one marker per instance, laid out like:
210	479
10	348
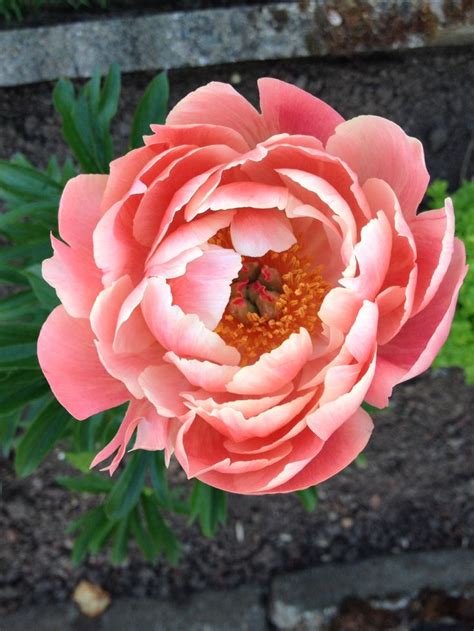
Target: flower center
271	298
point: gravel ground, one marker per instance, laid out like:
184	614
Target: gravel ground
417	492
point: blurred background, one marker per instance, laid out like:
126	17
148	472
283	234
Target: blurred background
401	520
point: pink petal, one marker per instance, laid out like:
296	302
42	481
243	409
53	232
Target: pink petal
433	232
173	187
203	374
373	256
198	135
246	195
69	360
74	275
289	109
123	173
275	369
338	452
374	147
255	232
413	350
116	251
152	434
163	386
205	287
219	104
183	334
79	209
190	235
345	386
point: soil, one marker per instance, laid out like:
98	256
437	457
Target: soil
429	93
417	491
52	14
415	494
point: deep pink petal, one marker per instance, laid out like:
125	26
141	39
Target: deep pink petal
69	360
287	108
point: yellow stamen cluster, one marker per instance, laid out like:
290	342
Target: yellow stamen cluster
302	293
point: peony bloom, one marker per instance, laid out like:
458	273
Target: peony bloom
246	280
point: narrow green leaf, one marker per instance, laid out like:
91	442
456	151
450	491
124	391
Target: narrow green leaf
90	483
209	506
120	545
82	460
13	333
159	479
44	293
91	524
109	98
18	356
40	438
159	530
309	498
8	427
20	387
361	461
152	108
149	548
126	491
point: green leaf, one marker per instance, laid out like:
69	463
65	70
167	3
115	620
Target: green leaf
361	461
159	530
18	356
40	438
209	506
128	488
152	108
147	545
13	333
82	460
8	427
159	479
120	545
309	498
19	387
91	483
17	306
92	525
44	293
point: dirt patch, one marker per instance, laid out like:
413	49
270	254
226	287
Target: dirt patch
415	494
430	94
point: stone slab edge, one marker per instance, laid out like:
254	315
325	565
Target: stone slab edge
274	30
236	610
297	594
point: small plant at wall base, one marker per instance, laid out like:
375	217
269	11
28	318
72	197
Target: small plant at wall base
137	502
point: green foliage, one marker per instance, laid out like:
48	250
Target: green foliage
309	498
458	349
19	9
136	503
86	117
153	106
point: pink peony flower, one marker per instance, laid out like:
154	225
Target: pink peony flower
246	281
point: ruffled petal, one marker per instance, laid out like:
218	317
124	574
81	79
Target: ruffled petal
255	232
